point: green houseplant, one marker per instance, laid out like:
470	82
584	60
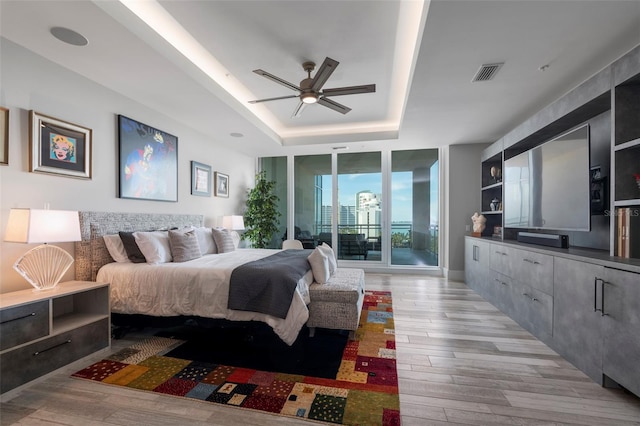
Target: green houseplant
261	216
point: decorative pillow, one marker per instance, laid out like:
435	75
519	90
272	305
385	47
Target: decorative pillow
184	245
328	251
116	248
319	266
223	239
205	240
154	245
131	247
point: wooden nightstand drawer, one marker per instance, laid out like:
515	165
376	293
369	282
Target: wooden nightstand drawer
23	324
30	362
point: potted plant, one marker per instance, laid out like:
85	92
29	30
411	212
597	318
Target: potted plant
261	216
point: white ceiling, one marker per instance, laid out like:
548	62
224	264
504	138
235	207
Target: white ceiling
432	49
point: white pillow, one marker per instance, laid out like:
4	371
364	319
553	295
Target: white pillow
328	251
319	266
206	241
116	248
154	245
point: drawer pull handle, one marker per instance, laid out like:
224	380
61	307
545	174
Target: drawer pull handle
52	347
533	299
501	282
500	252
535	262
32	314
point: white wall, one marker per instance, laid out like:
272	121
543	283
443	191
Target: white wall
29	82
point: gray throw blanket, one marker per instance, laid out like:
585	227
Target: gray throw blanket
267	285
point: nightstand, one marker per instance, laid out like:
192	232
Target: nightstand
41	331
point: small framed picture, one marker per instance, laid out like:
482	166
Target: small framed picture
4	136
58	147
222	184
200	179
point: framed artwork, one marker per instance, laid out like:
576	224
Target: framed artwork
58	147
200	179
222	184
4	135
148	162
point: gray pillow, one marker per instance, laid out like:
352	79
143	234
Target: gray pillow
223	239
184	245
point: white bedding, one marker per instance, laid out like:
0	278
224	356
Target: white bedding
198	287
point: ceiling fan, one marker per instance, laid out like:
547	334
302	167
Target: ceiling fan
310	89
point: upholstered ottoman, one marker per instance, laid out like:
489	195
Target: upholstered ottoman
338	303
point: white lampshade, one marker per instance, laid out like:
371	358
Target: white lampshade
45	265
233	223
42	226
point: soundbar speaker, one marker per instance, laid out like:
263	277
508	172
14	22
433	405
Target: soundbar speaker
550	240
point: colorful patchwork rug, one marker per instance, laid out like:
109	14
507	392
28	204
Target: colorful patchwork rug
364	391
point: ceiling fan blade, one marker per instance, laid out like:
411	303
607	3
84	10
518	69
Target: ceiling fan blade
298	111
351	90
324	72
334	105
277	80
273	99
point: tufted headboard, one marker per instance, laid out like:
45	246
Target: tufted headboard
92	253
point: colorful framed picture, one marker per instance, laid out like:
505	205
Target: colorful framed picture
58	147
148	162
200	179
221	184
4	136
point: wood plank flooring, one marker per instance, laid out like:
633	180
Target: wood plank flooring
460	361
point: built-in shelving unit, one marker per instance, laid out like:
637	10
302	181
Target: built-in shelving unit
492	192
626	159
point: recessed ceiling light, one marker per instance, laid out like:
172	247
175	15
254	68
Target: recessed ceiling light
69	36
236	135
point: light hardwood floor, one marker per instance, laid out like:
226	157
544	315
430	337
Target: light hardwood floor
460	361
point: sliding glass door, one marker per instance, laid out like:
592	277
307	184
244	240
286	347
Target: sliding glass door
414	207
360	206
373	207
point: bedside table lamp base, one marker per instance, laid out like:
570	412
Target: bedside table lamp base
44	266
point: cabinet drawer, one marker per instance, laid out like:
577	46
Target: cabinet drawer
534	269
535	310
29	362
23	323
499	259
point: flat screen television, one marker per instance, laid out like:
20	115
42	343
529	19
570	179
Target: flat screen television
548	187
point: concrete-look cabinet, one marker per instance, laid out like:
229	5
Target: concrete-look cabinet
578	302
621	316
578	326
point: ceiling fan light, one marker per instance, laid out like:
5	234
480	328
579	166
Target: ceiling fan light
309	98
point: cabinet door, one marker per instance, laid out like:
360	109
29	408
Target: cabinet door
622	328
476	265
577	327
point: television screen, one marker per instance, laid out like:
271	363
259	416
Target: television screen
548	186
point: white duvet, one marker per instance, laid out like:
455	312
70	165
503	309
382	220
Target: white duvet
198	287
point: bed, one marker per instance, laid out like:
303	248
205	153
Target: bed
194	288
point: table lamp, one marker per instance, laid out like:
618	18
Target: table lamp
233	223
45	265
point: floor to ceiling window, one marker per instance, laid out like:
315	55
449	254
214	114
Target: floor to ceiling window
414	207
384	212
360	206
276	170
312	199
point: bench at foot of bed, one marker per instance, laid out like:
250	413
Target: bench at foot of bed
338	303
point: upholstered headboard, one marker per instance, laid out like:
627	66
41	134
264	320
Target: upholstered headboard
92	253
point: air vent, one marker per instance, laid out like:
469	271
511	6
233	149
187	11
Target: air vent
487	72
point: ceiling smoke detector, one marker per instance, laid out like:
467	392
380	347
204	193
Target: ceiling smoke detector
487	72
